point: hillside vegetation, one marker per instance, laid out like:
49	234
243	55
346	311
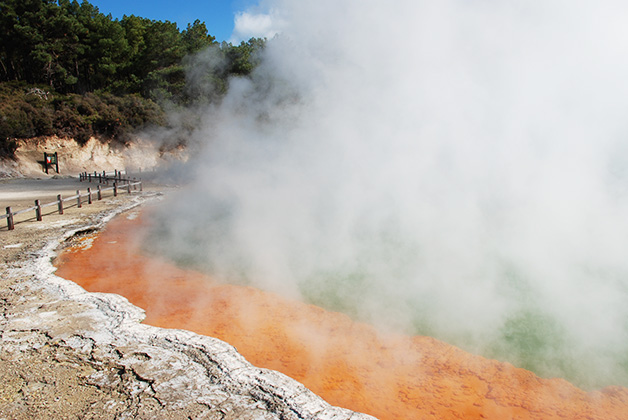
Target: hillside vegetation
68	70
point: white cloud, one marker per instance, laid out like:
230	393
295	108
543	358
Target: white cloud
253	25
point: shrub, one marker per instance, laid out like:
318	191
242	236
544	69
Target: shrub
31	111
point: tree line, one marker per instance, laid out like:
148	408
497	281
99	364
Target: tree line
68	69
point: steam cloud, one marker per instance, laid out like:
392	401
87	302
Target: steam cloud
452	168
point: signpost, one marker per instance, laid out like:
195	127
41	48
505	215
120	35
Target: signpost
51	159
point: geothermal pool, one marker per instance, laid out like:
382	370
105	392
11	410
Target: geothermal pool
348	363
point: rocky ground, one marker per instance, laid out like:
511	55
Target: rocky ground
66	353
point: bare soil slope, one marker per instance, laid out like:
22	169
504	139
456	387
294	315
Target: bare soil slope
95	155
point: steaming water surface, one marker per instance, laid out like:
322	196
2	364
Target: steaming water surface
347	363
456	169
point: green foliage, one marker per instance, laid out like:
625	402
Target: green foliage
74	48
244	57
196	38
103	76
7	148
27	111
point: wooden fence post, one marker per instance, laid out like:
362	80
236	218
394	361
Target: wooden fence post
78	199
99	193
60	203
38	211
128	187
89	195
10	224
115	189
141	188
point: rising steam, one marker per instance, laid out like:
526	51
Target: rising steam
453	168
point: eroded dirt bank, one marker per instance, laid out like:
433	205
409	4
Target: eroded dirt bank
347	363
67	353
94	155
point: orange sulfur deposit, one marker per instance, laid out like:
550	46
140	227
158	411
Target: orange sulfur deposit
347	363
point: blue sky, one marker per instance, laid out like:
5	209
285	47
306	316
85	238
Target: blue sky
218	15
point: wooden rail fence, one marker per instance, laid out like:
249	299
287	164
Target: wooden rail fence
119	184
104	177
